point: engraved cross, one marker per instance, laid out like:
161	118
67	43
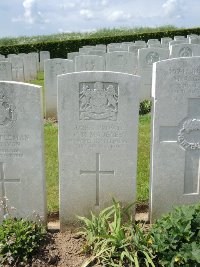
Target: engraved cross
191	129
3	180
97	172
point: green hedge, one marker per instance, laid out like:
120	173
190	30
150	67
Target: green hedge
59	49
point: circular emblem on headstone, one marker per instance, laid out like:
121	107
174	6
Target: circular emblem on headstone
189	135
185	52
7	111
152	57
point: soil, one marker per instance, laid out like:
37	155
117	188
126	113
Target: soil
66	249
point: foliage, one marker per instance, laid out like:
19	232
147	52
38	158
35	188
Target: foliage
145	107
176	237
60	47
113	239
19	238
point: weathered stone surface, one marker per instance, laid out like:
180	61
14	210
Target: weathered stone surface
5	71
44	55
124	62
17	68
98	124
146	58
184	50
72	55
22	177
53	68
89	63
176	135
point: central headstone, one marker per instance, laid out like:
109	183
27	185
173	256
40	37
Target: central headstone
98	124
176	135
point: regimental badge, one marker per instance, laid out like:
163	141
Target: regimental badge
7	111
185	52
152	57
98	101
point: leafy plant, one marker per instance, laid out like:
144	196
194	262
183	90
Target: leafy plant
145	107
19	239
176	237
114	240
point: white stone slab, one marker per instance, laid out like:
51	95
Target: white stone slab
72	55
146	58
5	71
2	58
183	41
17	68
179	37
184	50
121	62
175	176
116	49
140	42
22	175
166	40
153	41
53	68
97	52
35	57
44	55
98	125
89	63
194	40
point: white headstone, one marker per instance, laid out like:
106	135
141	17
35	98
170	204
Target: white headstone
179	37
2	58
184	50
98	125
175	176
194	40
89	63
146	58
96	52
22	175
140	42
121	62
53	68
5	71
117	49
17	68
44	55
183	41
72	55
35	57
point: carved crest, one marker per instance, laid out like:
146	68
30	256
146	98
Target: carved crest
98	101
7	110
152	57
189	127
185	52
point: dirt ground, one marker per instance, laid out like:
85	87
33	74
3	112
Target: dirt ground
65	249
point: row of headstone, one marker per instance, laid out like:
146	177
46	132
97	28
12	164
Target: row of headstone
22	67
98	129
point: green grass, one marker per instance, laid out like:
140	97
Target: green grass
51	158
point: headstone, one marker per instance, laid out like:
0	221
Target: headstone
53	68
117	49
194	40
183	41
44	55
34	59
146	58
5	71
101	46
165	41
27	67
184	50
140	42
179	37
97	52
72	55
89	63
17	68
36	56
121	62
175	176
9	56
98	124
2	58
153	41
22	175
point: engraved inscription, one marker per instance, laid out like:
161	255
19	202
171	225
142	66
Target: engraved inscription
2	66
98	101
7	110
90	65
152	57
190	129
185	52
